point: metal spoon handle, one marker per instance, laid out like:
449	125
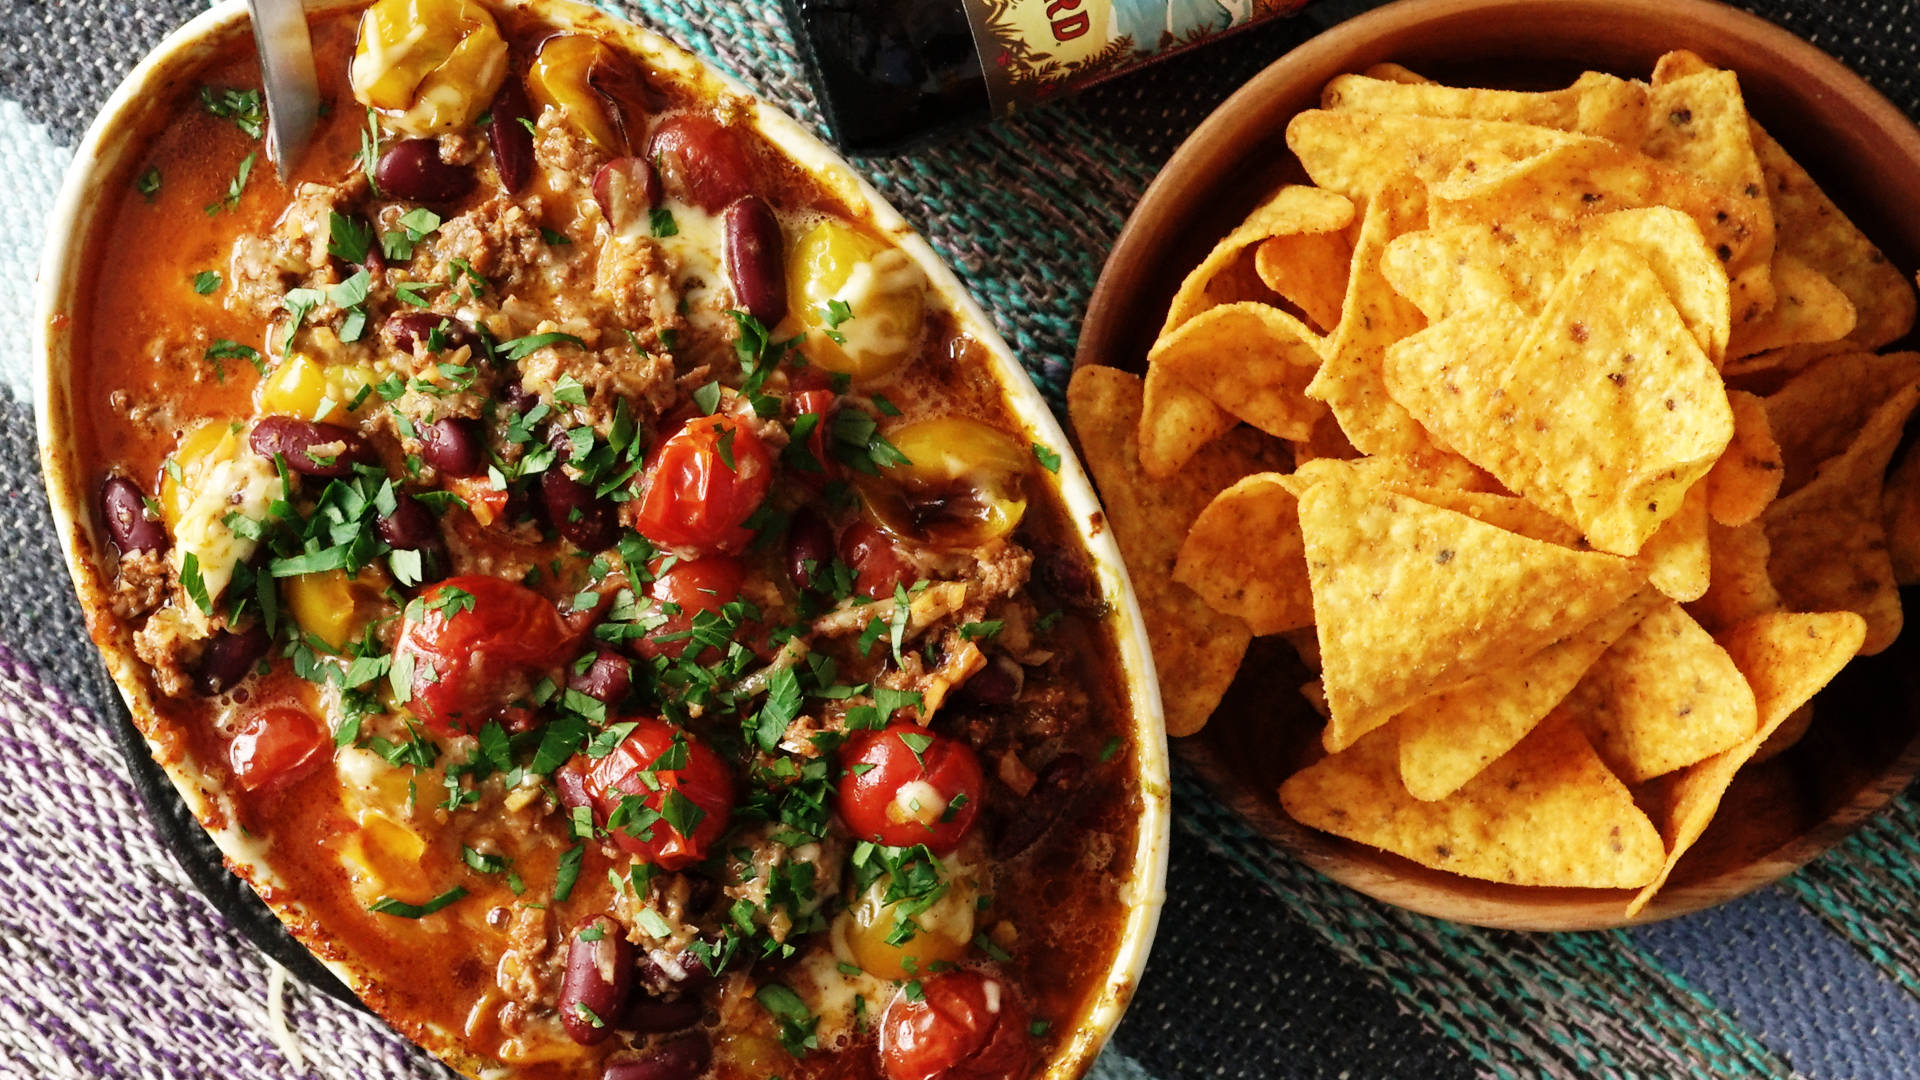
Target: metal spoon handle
286	66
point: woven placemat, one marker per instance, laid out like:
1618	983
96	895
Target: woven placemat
116	967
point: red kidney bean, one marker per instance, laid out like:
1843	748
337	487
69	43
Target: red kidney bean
589	523
294	438
999	683
607	679
650	1015
683	1058
409	327
411	169
124	506
229	656
755	259
570	780
626	189
410	526
508	132
1068	577
1053	791
598	978
701	161
453	446
878	567
809	546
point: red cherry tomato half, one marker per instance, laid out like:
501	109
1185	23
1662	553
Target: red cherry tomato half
701	161
903	786
879	567
963	1026
701	484
477	644
273	744
818	403
659	800
692	586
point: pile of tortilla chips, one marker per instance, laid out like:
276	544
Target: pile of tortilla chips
1548	428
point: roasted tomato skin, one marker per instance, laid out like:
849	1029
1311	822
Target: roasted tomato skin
693	497
472	657
692	586
964	1026
704	780
274	743
877	765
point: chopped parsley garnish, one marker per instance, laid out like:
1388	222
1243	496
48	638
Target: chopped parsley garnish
243	107
206	281
519	349
568	872
1109	749
1049	460
224	349
833	313
556	239
238	184
369	155
980	631
299	304
663	223
387	905
796	1023
415	225
348	238
148	183
196	586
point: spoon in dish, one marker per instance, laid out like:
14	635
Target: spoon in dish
286	66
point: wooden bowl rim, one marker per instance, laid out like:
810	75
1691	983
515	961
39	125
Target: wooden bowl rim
1223	139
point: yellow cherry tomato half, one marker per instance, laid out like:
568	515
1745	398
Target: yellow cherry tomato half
859	300
428	66
559	79
962	484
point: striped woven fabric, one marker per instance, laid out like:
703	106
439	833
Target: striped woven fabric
116	967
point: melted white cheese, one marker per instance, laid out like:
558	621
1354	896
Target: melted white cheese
871	336
243	483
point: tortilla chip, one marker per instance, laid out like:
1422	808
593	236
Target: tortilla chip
1809	227
1786	658
1309	271
1663	697
1448	738
1900	507
1589	177
1409	599
1465	267
1360	154
1244	556
1306	643
1176	421
1604	415
1293	210
1374	317
1747	477
1425	469
1678	563
1251	360
1807	309
1739	587
1198	648
1829	539
1818	412
1787	735
1515	515
1698	124
1546	813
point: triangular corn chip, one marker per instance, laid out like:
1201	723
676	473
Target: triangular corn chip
1374	317
1786	658
1546	813
1448	738
1900	507
1808	309
1309	271
1176	421
1818	412
1291	211
1604	414
1748	475
1198	648
1676	555
1360	154
1389	572
1251	360
1244	556
1740	588
1829	540
1663	697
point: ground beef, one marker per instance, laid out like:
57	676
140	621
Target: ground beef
140	584
168	646
618	372
529	966
568	158
498	238
634	280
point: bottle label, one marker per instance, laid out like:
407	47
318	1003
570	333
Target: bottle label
1034	49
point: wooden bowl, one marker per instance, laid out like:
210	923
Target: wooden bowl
1864	746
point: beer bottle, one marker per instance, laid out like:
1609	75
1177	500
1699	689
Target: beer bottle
890	74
